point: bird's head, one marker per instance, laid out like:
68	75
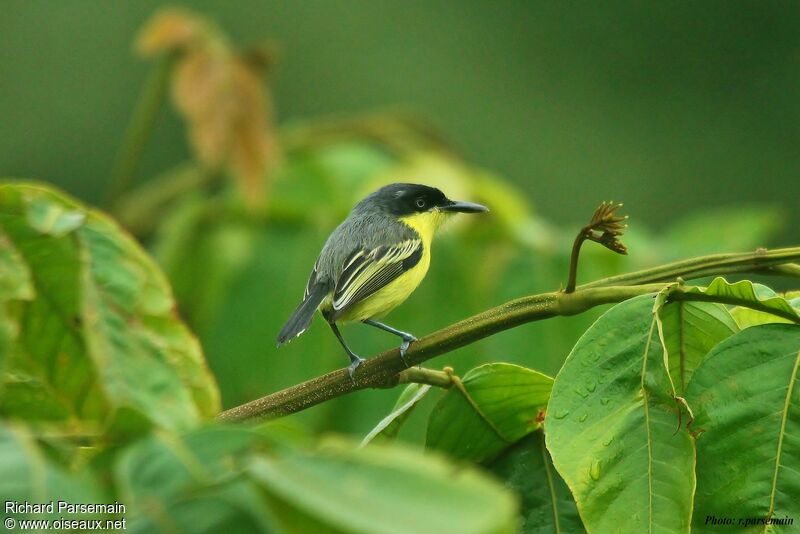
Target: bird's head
422	207
402	200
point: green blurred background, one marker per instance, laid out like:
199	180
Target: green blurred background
686	111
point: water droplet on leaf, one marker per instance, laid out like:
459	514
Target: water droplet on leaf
581	393
594	470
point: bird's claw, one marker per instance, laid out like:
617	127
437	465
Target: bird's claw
351	369
404	347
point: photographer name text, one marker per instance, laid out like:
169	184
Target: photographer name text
63	507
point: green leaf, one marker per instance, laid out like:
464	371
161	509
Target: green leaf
690	331
746	399
15	278
390	425
53	219
27	475
193	483
547	505
236	478
498	404
384	489
743	293
611	428
320	180
15	285
99	343
746	317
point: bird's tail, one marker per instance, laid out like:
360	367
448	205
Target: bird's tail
301	318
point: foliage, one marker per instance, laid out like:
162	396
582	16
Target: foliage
92	340
493	406
546	502
95	358
94	355
624	440
667	409
746	398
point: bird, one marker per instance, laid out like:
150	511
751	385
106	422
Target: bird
373	261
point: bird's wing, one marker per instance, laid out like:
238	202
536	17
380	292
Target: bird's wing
367	271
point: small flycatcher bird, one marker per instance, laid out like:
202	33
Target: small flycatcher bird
374	260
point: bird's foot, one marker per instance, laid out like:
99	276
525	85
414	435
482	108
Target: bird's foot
407	340
351	369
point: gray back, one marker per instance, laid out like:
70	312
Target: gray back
368	226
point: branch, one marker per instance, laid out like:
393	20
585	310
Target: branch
788	269
383	369
762	261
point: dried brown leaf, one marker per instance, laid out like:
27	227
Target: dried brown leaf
222	97
169	30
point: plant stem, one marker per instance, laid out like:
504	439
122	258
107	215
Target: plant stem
383	369
422	375
789	269
139	128
604	228
761	261
573	260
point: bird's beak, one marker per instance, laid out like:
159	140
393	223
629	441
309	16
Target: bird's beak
464	207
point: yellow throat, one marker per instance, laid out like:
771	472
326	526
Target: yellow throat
425	224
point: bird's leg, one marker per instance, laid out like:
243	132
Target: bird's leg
405	336
355	360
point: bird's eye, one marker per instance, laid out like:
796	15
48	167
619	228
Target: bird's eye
420	203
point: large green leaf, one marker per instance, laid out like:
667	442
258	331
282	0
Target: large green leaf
383	489
746	317
390	425
29	476
690	330
498	404
193	483
237	479
743	293
99	342
546	504
611	428
746	400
